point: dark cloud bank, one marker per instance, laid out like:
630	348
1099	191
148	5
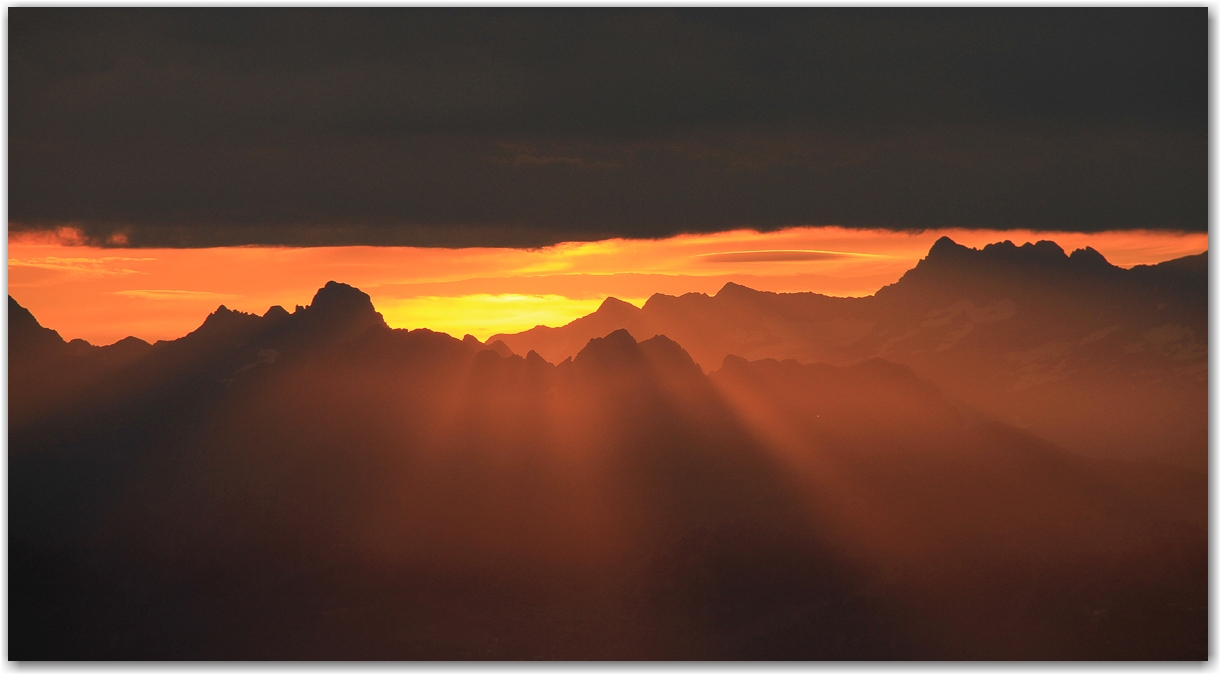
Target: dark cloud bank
524	127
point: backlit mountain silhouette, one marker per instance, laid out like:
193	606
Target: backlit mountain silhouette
317	485
1102	360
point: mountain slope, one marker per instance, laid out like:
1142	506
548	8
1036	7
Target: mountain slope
364	492
45	372
1099	359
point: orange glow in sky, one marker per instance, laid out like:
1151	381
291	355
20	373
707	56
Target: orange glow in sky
104	294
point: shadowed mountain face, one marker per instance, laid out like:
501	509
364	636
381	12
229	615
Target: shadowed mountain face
46	373
317	485
1102	360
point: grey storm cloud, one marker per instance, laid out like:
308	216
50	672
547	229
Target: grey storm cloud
457	127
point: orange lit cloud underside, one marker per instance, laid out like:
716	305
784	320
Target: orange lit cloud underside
103	295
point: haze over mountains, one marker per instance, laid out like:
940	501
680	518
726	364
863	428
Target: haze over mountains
770	477
1099	359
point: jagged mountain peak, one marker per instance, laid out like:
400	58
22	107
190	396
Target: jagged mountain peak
1046	251
617	345
613	305
946	260
1089	256
224	313
21	318
946	250
944	246
947	254
335	296
731	290
500	348
224	320
341	307
276	312
25	332
532	358
664	351
619	351
732	362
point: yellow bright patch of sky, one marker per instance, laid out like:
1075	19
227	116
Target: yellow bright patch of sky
484	314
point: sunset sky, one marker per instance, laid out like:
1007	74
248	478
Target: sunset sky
487	170
1003	456
104	294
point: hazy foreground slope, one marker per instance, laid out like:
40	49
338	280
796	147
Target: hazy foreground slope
317	485
47	371
1106	361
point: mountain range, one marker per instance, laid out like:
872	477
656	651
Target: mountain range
1102	360
769	477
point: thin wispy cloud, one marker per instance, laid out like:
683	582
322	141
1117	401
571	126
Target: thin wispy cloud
778	255
81	265
173	294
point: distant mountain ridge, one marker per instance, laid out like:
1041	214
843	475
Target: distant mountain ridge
1100	359
1022	334
948	267
1103	360
318	485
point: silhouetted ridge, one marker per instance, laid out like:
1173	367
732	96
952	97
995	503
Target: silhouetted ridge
614	307
1025	334
1089	257
615	349
220	332
501	348
224	319
497	347
534	360
731	290
998	270
338	312
276	313
946	247
25	334
611	315
654	361
947	255
660	302
669	355
1193	263
339	300
130	346
1042	252
46	373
